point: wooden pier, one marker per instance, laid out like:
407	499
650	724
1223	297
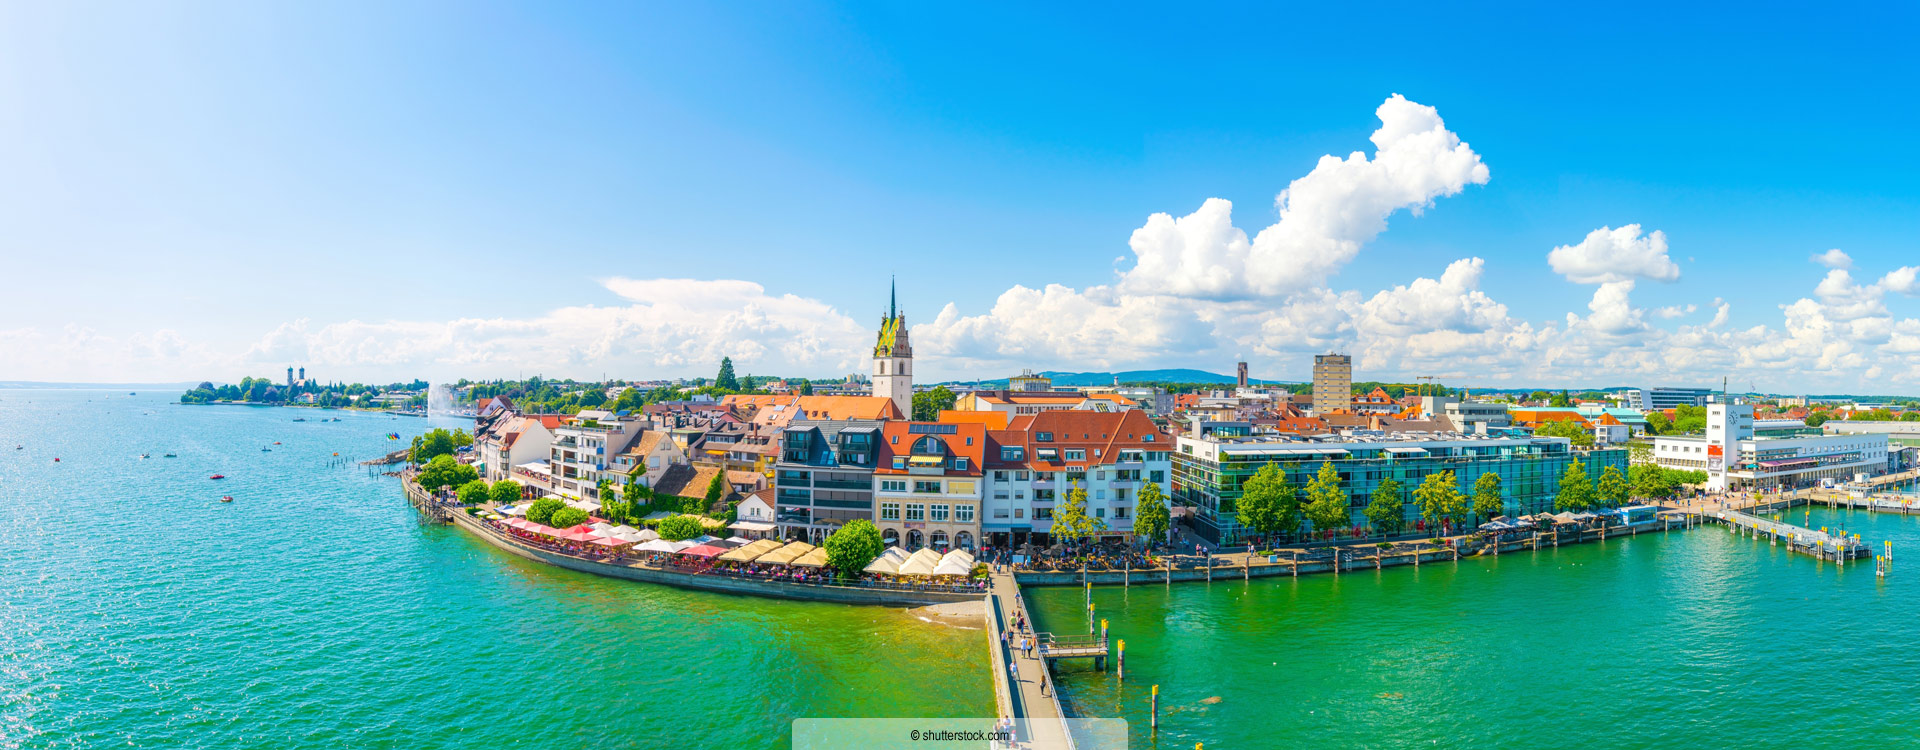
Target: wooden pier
1056	646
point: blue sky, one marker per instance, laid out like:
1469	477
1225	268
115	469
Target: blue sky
397	190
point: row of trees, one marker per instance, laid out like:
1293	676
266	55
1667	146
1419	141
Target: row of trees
268	391
1271	505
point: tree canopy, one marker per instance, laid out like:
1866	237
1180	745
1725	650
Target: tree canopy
1268	504
1567	429
1326	504
1613	490
1576	489
568	517
678	528
504	492
1439	498
1487	500
474	492
928	404
726	378
1071	523
852	547
542	510
1151	520
445	472
1386	511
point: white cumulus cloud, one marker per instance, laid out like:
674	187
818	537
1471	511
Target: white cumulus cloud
1610	255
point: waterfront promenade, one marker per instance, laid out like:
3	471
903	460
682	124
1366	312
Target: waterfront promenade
1025	693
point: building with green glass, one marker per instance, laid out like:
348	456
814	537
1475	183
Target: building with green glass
1210	467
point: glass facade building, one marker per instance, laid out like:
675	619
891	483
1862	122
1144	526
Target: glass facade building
1210	471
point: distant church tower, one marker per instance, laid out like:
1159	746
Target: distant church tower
893	358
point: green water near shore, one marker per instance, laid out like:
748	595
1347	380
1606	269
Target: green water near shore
1697	639
315	611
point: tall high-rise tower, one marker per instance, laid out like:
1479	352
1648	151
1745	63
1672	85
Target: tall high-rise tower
893	358
1332	384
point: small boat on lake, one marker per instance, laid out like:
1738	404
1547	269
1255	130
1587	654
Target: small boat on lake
226	498
218	476
299	419
145	456
170	455
266	450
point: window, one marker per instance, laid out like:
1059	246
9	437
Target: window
889	511
1157	476
1148	438
963	513
1012	453
959	463
1019	476
932	486
999	476
1076	454
1019	494
1099	494
1042	514
916	512
1120	513
997	512
1099	512
893	485
1000	495
1019	512
938	513
1099	475
1043	437
957	487
899	462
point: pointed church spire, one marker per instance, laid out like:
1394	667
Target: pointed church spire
893	296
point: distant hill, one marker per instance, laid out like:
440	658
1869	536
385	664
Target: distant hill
1176	375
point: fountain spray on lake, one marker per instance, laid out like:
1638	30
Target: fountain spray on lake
439	399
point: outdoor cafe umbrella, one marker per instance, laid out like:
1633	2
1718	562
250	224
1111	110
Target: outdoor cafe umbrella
814	559
646	535
951	566
921	563
656	546
787	554
705	551
883	564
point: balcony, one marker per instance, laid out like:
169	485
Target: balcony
840	484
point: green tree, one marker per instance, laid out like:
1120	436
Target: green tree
637	496
1487	500
1326	501
725	380
1650	481
716	489
461	439
1576	489
678	528
1816	419
1566	428
1639	452
568	517
1613	487
1561	399
1657	423
435	443
1689	419
1070	520
852	547
1268	504
542	510
1439	499
1387	509
443	471
1151	519
505	492
474	492
927	405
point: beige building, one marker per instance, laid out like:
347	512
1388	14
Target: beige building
1332	383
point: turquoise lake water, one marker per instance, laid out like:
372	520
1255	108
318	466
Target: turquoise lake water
1676	640
315	611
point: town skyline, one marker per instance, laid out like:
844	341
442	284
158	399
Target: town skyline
1474	227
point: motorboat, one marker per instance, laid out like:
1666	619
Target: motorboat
226	498
218	476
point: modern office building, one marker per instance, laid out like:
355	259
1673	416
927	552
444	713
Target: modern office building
1654	399
1211	468
1737	455
1332	383
824	476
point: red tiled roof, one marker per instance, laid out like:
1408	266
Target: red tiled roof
969	440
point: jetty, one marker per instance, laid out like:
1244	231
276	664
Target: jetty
1024	691
1820	544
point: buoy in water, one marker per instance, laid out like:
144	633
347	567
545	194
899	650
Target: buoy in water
226	498
56	460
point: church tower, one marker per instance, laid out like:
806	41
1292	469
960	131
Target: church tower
893	358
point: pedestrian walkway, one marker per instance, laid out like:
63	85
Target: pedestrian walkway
1028	688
